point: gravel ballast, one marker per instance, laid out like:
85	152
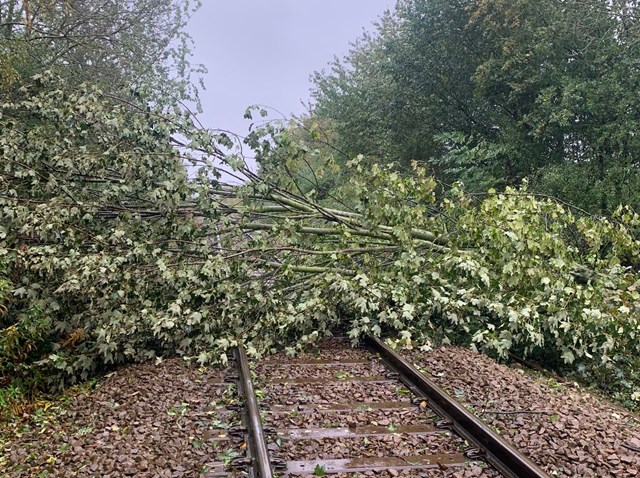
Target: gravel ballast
567	431
309	406
142	421
166	420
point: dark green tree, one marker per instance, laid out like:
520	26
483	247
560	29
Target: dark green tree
490	92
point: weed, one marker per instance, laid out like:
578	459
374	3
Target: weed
178	410
219	424
82	431
554	384
227	456
319	470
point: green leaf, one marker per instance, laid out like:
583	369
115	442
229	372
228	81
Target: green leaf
319	470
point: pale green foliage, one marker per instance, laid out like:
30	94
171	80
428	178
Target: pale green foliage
93	215
126	258
525	292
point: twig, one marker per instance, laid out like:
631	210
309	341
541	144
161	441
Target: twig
516	412
631	447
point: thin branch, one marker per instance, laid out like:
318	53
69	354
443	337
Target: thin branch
516	412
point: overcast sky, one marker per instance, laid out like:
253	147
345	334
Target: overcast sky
263	51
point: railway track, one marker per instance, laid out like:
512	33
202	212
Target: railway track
344	411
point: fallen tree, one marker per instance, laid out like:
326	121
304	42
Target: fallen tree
117	252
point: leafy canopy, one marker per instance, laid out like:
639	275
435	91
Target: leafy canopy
490	92
122	256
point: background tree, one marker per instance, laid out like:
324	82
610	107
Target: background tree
138	44
491	92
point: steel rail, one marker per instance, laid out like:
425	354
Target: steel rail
258	451
509	461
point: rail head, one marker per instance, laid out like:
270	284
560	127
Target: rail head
503	456
259	453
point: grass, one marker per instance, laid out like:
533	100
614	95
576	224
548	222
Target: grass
13	401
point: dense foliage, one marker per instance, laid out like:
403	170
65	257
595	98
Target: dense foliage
120	51
116	255
120	241
492	91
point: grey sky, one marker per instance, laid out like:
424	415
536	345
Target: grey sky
263	51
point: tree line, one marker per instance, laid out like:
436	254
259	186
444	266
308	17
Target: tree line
491	92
